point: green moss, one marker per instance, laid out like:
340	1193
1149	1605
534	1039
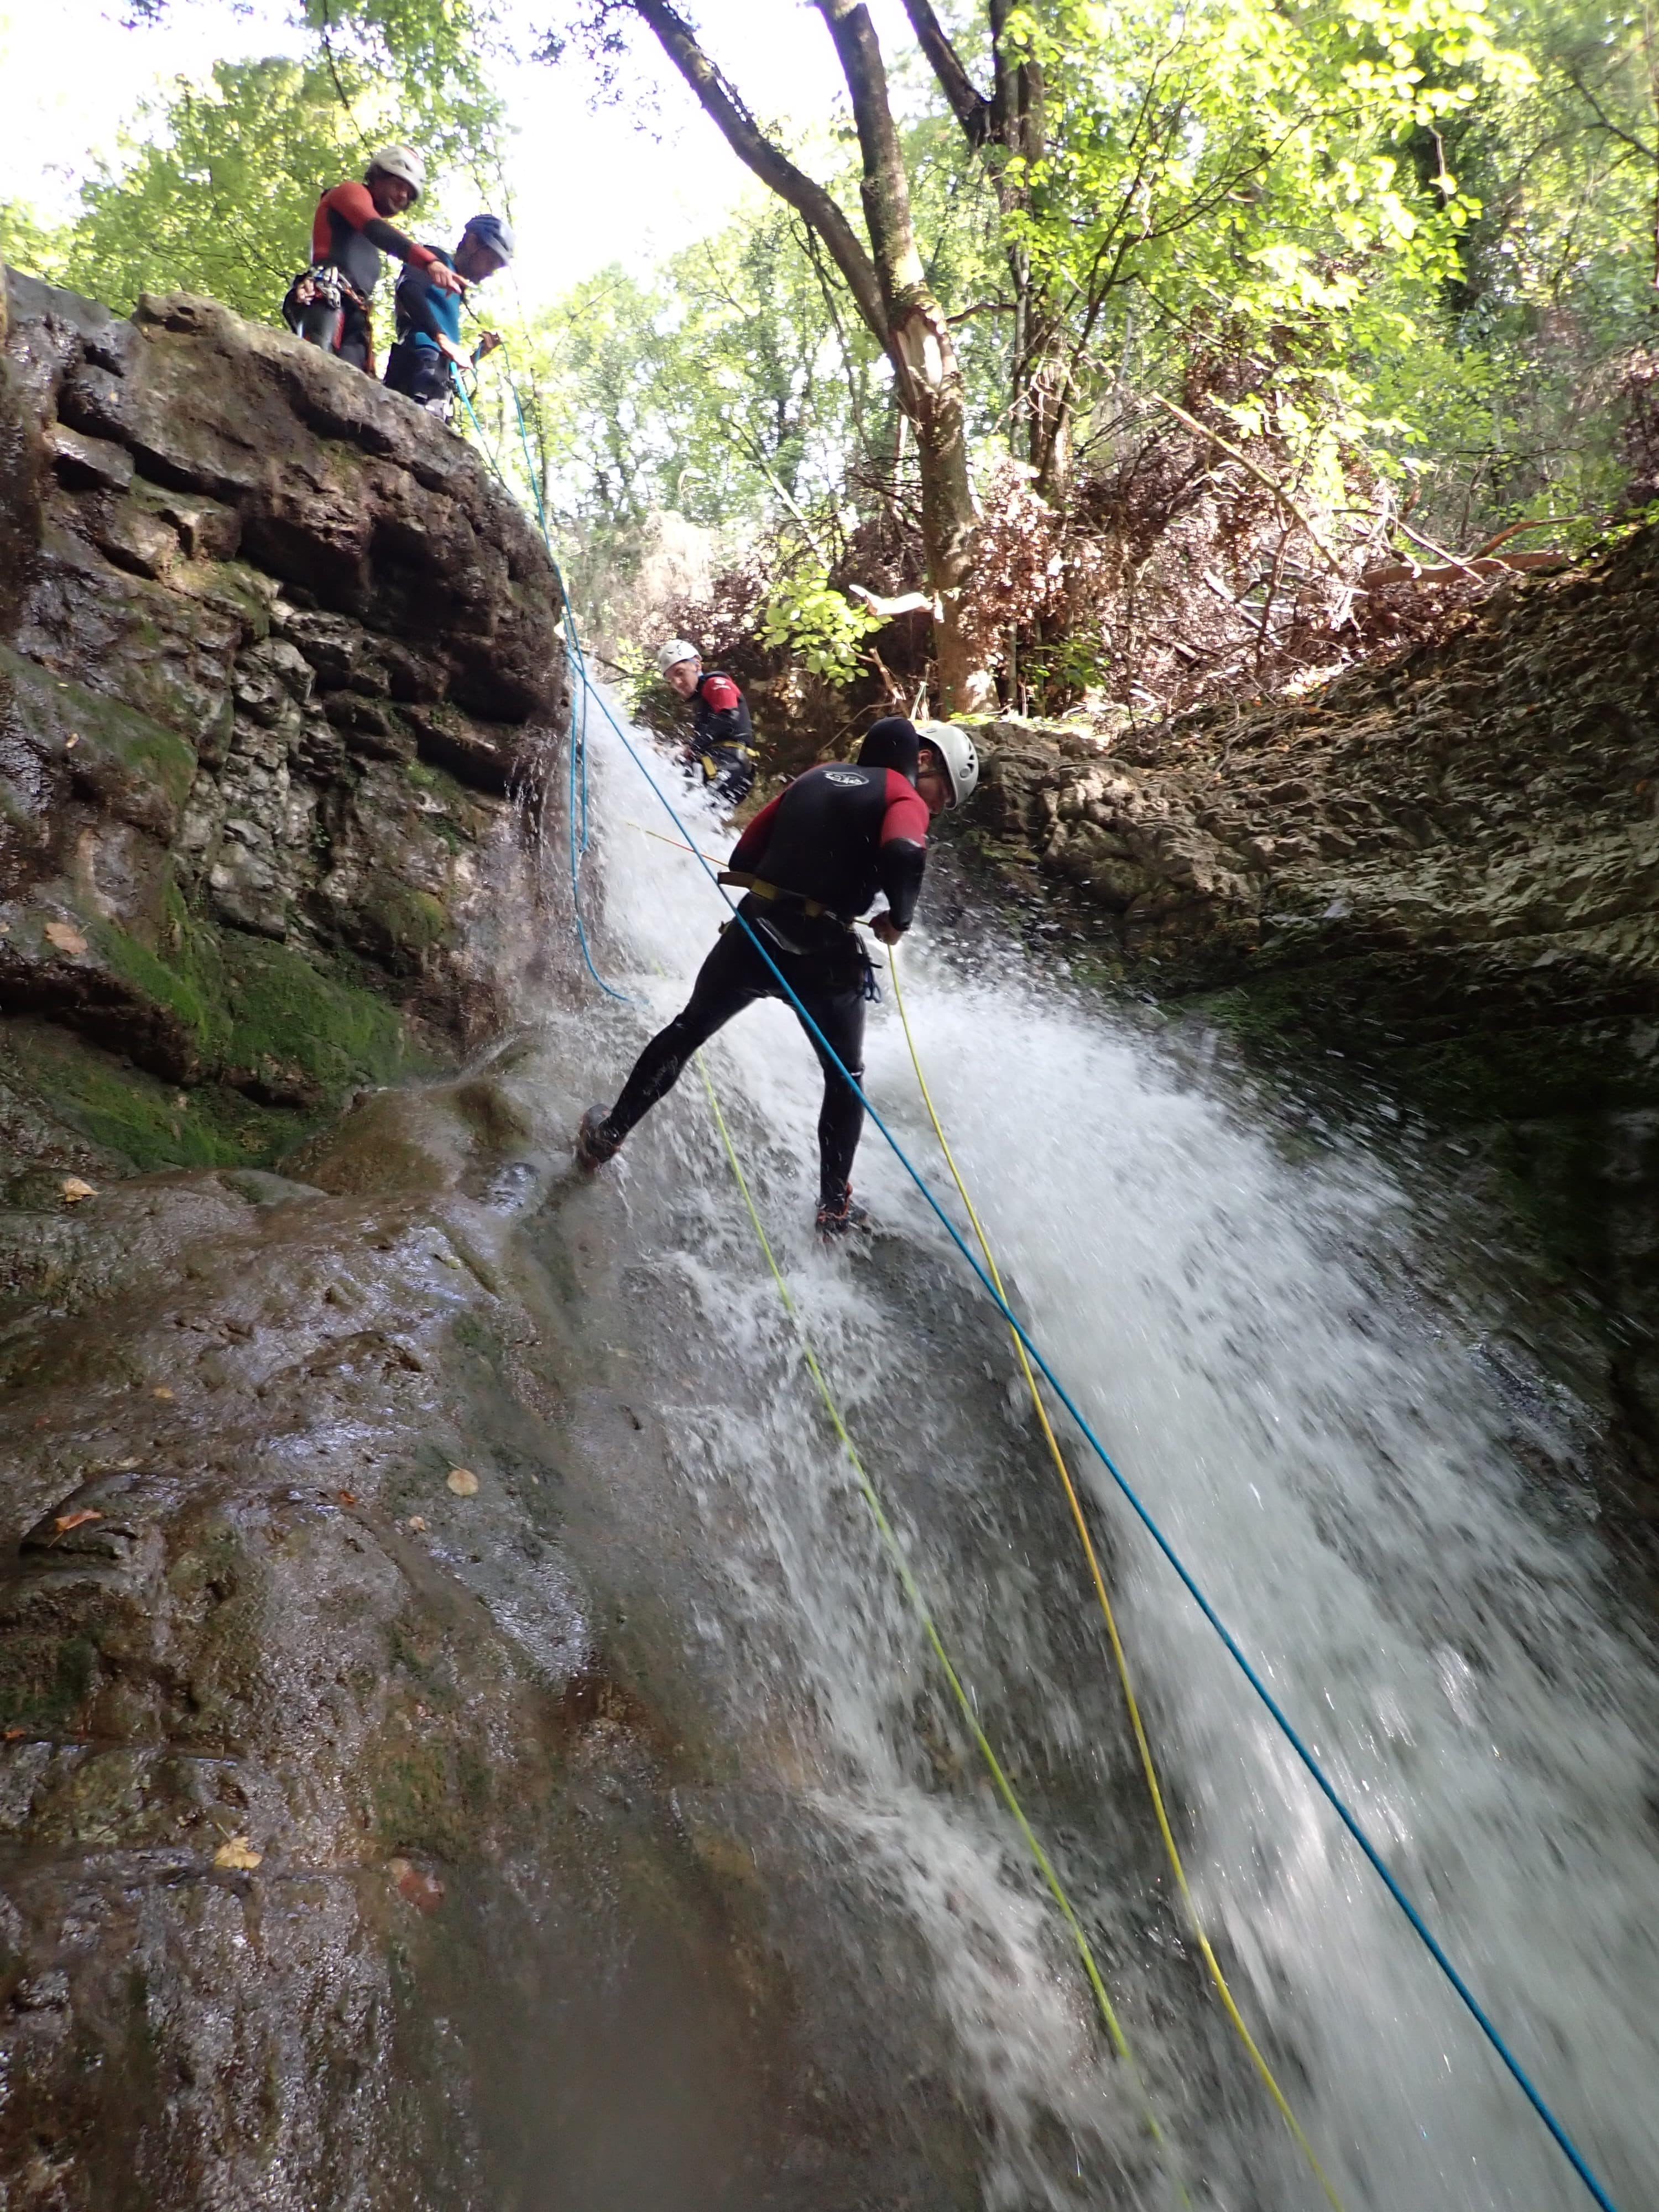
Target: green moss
409	923
106	726
427	1794
182	991
46	1681
148	1123
287	1012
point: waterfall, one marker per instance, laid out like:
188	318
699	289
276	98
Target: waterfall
1349	1476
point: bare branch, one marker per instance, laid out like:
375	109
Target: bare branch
769	163
967	104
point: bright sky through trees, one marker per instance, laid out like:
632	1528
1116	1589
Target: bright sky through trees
589	187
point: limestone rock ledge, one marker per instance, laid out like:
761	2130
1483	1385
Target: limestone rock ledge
1447	864
276	654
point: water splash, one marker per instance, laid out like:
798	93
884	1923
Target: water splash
1342	1472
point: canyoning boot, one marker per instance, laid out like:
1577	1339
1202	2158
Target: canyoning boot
595	1143
838	1212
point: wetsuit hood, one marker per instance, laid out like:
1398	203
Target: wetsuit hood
893	743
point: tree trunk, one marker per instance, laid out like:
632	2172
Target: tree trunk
934	404
893	295
924	358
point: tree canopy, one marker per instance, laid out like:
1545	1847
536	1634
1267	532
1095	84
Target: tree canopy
1381	272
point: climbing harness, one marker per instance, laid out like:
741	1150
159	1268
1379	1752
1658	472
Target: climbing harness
1349	1820
1148	1766
325	286
810	908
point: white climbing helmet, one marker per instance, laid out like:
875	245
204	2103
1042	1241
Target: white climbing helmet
402	161
675	651
956	750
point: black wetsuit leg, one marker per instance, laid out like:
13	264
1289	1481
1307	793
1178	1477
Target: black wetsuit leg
356	339
830	986
733	977
736	779
343	330
420	373
836	1005
321	325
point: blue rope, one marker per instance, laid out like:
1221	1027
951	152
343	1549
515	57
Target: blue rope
1348	1818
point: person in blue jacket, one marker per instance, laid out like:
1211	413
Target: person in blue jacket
429	319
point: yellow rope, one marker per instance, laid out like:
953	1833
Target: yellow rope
919	1605
1147	1766
680	843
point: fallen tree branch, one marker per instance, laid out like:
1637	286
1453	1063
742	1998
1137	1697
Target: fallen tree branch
1262	478
1482	565
907	603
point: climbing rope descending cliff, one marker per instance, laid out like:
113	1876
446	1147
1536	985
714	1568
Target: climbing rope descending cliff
1030	1352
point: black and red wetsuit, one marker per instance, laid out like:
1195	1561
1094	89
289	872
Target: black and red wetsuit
723	736
835	837
349	234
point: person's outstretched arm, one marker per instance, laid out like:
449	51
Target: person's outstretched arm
415	305
353	203
901	857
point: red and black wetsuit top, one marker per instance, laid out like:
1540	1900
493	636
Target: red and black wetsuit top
720	716
349	235
839	835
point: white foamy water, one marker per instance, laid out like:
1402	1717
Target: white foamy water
1339	1474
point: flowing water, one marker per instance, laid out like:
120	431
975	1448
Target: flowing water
1395	1524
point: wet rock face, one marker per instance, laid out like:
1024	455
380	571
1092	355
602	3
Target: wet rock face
1448	863
274	652
337	1868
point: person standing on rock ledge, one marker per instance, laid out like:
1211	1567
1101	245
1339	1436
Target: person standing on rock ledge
722	736
429	321
810	862
328	304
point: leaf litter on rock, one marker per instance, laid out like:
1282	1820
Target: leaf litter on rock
423	1891
462	1481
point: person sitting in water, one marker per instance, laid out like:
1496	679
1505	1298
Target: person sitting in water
429	319
328	304
810	861
722	736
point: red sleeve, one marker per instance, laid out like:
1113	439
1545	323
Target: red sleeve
907	811
753	841
352	201
719	692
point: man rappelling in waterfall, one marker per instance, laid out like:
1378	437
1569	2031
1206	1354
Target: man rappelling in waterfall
429	319
722	744
328	303
810	862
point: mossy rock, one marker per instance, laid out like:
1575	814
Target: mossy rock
279	1039
141	1121
58	709
299	1034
